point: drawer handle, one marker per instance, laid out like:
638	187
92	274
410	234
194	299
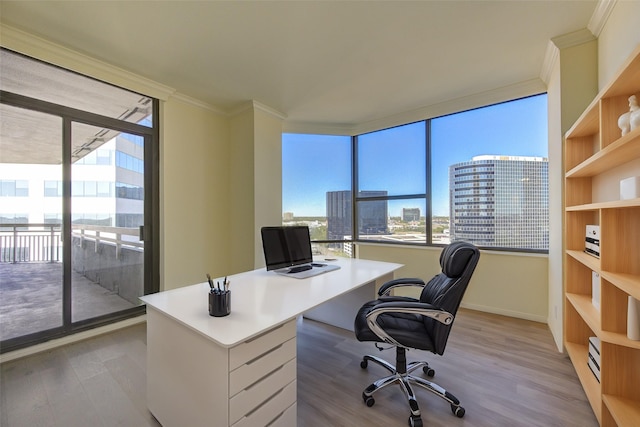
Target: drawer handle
260	356
270	331
248	414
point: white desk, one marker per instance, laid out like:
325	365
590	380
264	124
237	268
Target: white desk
240	370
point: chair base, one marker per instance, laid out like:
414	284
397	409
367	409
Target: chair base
405	380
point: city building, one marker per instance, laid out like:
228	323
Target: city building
372	214
500	201
410	214
107	188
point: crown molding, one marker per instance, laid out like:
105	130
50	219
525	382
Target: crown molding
575	38
266	109
600	16
198	103
550	58
563	42
255	105
39	48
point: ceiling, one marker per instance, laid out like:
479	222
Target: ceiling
323	62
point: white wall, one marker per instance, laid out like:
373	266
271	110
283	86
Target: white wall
556	215
256	182
619	37
268	176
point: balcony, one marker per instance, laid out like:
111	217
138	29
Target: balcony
106	275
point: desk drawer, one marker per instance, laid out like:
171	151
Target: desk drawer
252	397
288	418
252	349
250	372
273	410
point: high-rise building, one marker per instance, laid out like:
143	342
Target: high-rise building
410	214
500	201
372	215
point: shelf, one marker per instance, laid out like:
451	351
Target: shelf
625	412
625	149
590	261
578	354
586	310
596	157
588	123
618	339
629	283
616	204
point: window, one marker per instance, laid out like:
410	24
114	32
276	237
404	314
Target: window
317	188
479	175
489	171
128	191
129	162
52	188
14	188
392	177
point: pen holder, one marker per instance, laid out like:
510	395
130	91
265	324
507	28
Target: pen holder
219	303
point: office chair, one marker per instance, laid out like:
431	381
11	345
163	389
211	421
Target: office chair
424	324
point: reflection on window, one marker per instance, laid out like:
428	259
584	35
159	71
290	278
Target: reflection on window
125	161
81	189
128	191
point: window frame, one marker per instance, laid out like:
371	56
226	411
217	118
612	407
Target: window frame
150	233
356	198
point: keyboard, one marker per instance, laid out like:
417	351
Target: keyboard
299	268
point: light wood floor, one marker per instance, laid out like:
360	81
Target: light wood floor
506	372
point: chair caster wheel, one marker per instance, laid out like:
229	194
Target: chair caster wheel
415	421
368	400
364	364
430	372
458	411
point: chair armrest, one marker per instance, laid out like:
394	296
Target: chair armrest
388	286
421	308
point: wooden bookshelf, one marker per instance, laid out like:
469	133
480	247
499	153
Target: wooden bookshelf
596	155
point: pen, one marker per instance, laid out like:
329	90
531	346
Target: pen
224	284
210	281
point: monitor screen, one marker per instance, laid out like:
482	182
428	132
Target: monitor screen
286	246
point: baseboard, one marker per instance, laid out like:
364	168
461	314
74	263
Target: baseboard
69	339
503	312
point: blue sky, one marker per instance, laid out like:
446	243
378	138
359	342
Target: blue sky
315	164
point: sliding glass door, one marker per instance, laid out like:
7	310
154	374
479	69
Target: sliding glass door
107	215
78	208
31	273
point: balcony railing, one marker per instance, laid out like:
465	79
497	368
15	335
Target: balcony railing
32	242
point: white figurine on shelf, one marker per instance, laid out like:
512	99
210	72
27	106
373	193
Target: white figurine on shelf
634	113
631	119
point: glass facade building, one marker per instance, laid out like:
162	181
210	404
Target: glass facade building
500	201
372	215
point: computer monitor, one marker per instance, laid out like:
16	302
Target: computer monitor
286	246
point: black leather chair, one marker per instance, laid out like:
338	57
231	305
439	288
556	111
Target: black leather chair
424	324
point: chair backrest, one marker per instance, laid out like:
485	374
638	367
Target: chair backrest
445	291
